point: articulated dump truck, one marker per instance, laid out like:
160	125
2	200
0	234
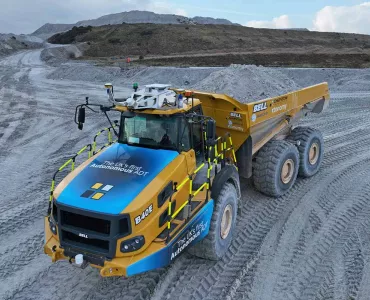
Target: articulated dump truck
168	178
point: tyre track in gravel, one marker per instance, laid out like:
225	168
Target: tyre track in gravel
353	258
18	256
289	255
20	217
364	240
312	281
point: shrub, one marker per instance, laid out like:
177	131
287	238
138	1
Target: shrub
69	36
114	41
71	55
146	32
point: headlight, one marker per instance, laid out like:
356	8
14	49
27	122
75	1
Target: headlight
52	226
133	244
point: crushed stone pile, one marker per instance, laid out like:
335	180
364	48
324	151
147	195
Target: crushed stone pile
248	83
10	43
84	72
56	55
177	77
339	79
125	77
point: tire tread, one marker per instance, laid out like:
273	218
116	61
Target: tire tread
264	168
206	247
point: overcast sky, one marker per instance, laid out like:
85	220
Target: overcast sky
25	16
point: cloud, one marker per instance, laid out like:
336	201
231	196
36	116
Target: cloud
25	16
352	19
279	22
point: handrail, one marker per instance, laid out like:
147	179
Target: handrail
71	162
192	194
110	140
92	151
218	156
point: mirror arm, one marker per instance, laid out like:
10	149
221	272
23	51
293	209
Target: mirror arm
104	109
87	106
110	122
91	109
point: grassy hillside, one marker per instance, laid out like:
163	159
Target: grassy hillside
174	43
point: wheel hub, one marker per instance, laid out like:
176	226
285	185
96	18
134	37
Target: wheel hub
313	156
226	222
287	171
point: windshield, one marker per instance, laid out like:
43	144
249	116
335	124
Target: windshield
154	131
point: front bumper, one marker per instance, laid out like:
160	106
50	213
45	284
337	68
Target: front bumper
109	268
157	255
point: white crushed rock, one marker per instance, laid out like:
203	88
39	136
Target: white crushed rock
55	55
248	83
84	72
177	77
10	43
338	79
244	83
125	77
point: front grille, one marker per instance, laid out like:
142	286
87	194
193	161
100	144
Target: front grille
91	232
85	222
124	226
81	242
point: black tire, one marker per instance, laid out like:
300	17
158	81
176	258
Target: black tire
268	167
305	138
213	246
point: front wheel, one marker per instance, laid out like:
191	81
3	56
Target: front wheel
222	227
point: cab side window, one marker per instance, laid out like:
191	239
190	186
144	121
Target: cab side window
198	140
197	136
184	138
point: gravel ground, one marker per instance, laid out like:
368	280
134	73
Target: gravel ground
312	243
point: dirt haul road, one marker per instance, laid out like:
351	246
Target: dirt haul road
312	243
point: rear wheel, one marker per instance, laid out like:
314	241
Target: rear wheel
222	226
310	146
275	168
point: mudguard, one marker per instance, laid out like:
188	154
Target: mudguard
244	158
194	232
229	173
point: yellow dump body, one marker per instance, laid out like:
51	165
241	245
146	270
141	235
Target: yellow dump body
262	120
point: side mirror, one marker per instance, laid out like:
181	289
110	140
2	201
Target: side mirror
81	117
211	130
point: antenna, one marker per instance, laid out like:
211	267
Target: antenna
192	101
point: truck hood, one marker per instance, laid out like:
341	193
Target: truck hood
113	180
